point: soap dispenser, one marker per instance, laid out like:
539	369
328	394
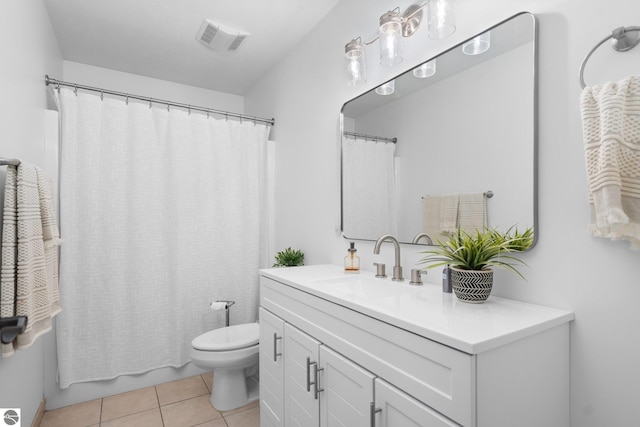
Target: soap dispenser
352	261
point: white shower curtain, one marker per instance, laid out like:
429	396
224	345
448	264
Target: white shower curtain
368	185
161	212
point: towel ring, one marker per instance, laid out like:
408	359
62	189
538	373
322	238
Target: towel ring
623	40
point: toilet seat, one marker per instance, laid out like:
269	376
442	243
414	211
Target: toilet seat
228	338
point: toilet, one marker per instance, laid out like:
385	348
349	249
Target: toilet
232	353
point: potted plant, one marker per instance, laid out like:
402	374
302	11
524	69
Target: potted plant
289	258
470	257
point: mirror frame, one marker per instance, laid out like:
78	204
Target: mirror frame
535	226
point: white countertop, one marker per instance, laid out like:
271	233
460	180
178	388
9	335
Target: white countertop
424	310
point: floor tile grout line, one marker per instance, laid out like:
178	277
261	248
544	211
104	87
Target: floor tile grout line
155	388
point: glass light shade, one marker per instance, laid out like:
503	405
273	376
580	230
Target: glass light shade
441	19
477	45
390	39
387	88
425	70
355	58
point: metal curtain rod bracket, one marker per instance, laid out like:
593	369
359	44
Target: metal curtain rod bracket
50	81
624	39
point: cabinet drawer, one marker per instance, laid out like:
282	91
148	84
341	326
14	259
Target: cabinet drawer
439	376
396	409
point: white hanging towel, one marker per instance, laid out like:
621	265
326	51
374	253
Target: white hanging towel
449	210
431	207
472	212
611	132
30	239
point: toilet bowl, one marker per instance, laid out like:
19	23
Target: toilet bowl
232	353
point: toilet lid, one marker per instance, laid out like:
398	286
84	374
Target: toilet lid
229	338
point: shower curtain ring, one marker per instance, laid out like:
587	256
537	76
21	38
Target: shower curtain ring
126	100
101	95
75	90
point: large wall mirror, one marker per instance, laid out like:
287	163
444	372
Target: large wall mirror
469	128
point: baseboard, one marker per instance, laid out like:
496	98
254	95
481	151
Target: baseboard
39	414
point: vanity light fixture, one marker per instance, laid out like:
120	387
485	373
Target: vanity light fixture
425	70
387	88
356	62
477	45
393	26
441	20
390	34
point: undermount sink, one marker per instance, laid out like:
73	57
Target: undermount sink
358	286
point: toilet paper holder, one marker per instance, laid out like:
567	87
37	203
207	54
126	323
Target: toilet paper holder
227	305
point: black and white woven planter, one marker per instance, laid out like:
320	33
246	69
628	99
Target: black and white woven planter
472	286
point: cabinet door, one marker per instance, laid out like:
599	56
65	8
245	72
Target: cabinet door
394	408
301	407
347	391
271	369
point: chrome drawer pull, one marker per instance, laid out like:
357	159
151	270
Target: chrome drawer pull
316	386
309	363
275	347
373	411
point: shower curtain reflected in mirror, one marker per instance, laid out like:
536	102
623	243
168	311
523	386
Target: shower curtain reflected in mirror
163	211
368	182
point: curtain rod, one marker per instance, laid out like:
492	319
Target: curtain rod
370	137
50	81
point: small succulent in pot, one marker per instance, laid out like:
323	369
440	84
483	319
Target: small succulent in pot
480	250
289	258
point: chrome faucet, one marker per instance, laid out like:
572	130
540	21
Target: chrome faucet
397	269
420	236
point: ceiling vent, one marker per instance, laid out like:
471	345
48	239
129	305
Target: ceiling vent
219	38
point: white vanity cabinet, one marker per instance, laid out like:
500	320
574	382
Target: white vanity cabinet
290	389
353	350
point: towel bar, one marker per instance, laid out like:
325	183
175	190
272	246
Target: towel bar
10	162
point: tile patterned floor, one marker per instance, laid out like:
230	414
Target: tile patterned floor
181	403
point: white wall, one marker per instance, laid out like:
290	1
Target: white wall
596	278
29	51
89	75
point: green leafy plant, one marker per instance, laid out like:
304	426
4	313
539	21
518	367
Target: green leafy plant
289	258
480	250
